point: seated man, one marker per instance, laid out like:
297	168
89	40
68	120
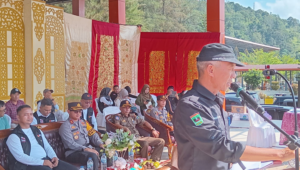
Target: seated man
4	124
29	149
159	112
87	111
44	115
12	105
48	95
127	121
80	140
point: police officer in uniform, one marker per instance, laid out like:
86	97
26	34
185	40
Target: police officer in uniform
201	126
128	122
80	139
87	111
159	112
28	147
44	114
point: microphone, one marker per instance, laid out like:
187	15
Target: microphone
247	98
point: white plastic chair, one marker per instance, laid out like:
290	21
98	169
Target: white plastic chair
106	111
261	134
154	98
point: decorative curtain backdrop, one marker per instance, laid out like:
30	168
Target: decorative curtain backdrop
78	32
170	59
129	45
104	58
189	47
156	61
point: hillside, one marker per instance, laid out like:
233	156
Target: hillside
190	16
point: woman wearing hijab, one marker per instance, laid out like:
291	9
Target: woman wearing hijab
129	92
104	99
144	99
123	95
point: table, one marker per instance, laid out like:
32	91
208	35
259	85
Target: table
288	125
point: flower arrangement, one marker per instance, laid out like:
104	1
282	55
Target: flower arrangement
119	141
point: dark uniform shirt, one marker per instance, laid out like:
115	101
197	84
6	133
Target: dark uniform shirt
202	132
161	115
130	122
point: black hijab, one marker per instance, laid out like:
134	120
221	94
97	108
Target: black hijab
104	93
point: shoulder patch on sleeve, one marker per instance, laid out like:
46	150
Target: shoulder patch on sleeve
197	119
117	117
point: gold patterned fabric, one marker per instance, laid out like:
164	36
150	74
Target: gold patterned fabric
192	72
12	48
78	32
129	44
157	71
106	63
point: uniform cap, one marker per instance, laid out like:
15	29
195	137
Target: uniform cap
161	97
15	90
125	103
218	52
74	106
46	90
87	96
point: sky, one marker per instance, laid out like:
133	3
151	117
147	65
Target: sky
283	8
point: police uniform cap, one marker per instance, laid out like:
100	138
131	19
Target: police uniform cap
15	90
74	106
161	97
86	96
218	52
125	103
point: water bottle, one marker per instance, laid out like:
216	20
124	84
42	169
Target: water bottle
90	164
130	155
115	158
103	162
81	168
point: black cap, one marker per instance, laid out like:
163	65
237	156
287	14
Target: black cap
125	103
15	90
218	52
87	96
170	87
46	90
75	106
161	97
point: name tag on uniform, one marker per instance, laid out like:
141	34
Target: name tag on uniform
197	119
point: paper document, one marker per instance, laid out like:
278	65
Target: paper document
251	165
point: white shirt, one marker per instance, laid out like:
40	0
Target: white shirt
34	122
39	105
36	153
94	122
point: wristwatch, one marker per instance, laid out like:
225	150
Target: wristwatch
153	129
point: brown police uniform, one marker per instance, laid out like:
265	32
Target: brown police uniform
130	122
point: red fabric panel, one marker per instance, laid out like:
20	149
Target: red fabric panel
177	47
166	42
100	29
190	42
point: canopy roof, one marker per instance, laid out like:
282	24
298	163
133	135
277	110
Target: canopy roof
278	67
242	45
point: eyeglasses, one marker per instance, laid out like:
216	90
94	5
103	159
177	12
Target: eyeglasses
88	102
76	111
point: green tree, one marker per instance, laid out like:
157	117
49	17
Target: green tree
253	78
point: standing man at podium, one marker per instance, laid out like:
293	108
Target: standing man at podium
200	123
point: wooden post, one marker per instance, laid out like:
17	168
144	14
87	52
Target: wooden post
216	18
117	11
78	7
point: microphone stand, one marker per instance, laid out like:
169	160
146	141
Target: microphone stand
293	140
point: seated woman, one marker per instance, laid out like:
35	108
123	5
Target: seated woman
145	100
123	95
104	99
129	92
